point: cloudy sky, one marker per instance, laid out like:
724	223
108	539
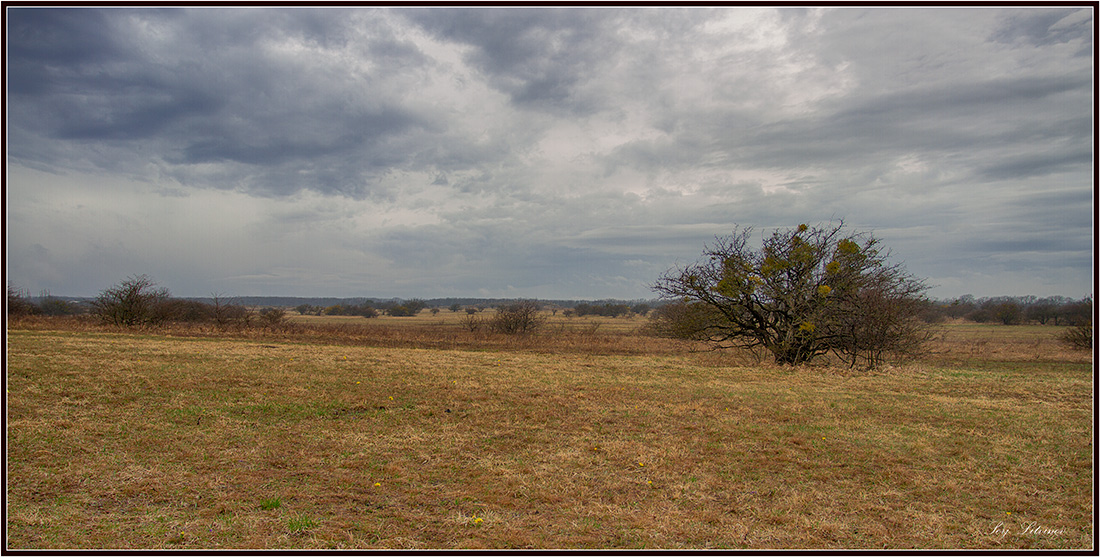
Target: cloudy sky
537	152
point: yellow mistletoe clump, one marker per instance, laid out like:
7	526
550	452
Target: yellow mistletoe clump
823	290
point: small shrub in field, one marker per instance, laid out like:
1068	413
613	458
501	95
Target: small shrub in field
1079	337
19	302
187	311
472	322
401	311
683	320
518	318
132	302
272	317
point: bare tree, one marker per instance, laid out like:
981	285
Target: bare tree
518	318
226	312
131	302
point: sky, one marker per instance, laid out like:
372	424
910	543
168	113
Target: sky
552	153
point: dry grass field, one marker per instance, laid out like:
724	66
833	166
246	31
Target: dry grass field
414	433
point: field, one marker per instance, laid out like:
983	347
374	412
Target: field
336	434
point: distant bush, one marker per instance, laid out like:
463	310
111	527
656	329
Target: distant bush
401	311
306	309
518	318
272	317
19	303
132	302
187	311
226	313
683	320
362	310
472	322
1080	336
399	308
604	310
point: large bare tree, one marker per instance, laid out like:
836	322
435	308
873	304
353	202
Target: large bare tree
805	292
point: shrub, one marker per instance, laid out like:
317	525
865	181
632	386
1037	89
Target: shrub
683	320
132	302
518	318
472	322
19	303
225	312
1080	336
272	317
190	311
401	311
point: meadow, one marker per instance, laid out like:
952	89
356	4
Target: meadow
415	433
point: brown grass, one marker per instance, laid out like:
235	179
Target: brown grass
591	335
170	439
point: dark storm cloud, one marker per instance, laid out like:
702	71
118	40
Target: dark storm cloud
42	41
186	87
540	57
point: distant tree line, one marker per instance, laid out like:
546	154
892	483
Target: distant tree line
368	309
606	309
137	301
20	302
1007	310
365	309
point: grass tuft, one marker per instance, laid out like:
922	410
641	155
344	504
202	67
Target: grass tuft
300	524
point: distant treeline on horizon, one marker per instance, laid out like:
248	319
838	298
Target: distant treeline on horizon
1009	310
294	301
